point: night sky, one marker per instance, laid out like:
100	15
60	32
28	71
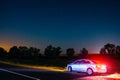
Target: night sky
65	23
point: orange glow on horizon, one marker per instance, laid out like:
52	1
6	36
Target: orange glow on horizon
5	46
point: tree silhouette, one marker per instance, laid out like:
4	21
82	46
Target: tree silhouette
14	51
51	51
110	48
57	51
118	51
70	52
3	52
103	51
84	52
48	50
24	52
34	52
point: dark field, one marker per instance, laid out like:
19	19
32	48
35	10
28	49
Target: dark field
112	63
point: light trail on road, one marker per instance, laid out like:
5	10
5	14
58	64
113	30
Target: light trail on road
50	68
115	76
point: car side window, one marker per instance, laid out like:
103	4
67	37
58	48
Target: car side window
76	62
81	62
87	62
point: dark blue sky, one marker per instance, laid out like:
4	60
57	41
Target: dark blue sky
65	23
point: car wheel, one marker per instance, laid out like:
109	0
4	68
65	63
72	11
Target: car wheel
89	71
70	69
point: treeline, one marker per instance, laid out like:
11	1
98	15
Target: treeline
32	52
111	49
52	51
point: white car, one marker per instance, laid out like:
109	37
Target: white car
86	65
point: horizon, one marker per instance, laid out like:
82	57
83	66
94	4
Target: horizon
63	52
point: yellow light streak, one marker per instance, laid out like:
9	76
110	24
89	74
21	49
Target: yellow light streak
50	68
114	76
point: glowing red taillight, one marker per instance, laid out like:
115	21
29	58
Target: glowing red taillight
98	65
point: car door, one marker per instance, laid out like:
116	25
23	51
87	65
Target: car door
84	65
78	65
75	66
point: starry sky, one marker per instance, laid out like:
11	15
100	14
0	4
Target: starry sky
65	23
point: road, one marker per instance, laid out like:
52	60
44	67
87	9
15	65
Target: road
9	72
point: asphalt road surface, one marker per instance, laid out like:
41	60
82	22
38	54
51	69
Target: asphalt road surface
8	72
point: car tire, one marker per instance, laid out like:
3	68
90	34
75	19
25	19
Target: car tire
89	71
70	69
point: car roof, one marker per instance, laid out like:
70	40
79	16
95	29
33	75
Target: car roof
85	60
